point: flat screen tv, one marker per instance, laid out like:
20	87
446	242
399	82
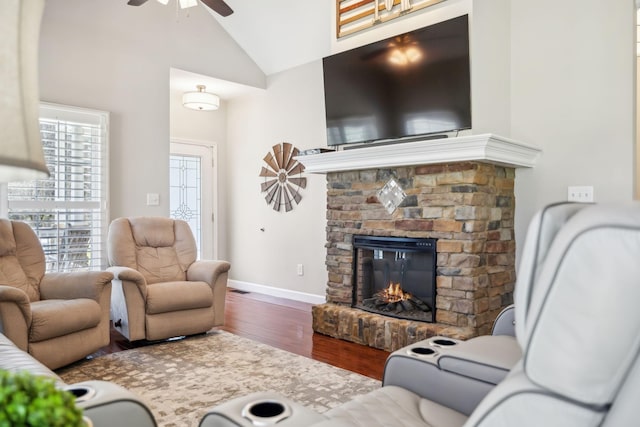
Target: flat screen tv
417	83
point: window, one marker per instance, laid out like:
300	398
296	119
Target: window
68	210
185	194
192	197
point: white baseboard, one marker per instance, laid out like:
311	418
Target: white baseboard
277	292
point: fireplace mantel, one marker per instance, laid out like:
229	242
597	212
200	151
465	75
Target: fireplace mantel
488	148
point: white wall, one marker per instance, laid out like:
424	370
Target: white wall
290	110
109	56
559	75
205	128
572	94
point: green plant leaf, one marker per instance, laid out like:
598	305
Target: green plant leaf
28	400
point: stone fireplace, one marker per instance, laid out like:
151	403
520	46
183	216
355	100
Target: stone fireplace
467	206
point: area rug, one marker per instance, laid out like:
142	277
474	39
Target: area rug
180	380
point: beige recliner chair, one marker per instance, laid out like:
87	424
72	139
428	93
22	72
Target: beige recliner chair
58	318
160	291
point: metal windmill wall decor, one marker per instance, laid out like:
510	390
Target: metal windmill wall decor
282	177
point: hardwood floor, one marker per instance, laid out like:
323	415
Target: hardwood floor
285	324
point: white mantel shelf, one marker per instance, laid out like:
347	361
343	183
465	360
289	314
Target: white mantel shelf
487	148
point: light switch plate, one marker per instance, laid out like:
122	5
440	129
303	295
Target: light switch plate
153	199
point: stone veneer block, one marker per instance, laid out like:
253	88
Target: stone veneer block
386	333
467	206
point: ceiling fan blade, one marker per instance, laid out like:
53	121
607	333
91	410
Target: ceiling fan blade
136	2
218	6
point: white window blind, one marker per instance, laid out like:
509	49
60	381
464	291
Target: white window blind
68	210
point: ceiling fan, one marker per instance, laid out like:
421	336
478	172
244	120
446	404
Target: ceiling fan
218	6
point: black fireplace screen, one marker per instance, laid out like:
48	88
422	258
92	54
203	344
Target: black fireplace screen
395	276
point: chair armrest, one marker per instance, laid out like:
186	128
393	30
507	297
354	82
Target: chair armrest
15	315
112	405
79	284
127	274
505	323
12	294
215	273
207	271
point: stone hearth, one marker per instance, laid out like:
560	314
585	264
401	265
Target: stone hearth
467	205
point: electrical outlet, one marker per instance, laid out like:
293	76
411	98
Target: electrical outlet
300	270
582	194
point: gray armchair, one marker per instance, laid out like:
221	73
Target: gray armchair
159	289
580	341
471	369
58	318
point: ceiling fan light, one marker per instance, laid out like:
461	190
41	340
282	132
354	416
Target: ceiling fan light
201	100
188	3
164	2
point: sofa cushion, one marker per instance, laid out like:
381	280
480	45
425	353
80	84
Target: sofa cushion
13	359
393	406
487	358
47	323
164	297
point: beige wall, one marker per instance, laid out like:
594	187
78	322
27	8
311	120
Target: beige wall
290	110
637	145
207	128
572	94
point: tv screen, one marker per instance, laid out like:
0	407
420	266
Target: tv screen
417	83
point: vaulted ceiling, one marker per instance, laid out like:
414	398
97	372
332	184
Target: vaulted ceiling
280	34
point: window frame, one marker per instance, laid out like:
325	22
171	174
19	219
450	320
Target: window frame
95	118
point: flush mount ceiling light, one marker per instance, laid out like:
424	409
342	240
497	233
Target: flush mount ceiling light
21	155
201	100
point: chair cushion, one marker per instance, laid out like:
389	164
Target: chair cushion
393	406
22	262
175	296
161	249
56	317
159	264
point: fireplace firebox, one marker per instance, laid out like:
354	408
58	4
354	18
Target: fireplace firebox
395	276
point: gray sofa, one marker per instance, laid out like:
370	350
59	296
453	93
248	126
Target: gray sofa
577	324
105	403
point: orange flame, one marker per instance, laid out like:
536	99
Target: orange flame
394	293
